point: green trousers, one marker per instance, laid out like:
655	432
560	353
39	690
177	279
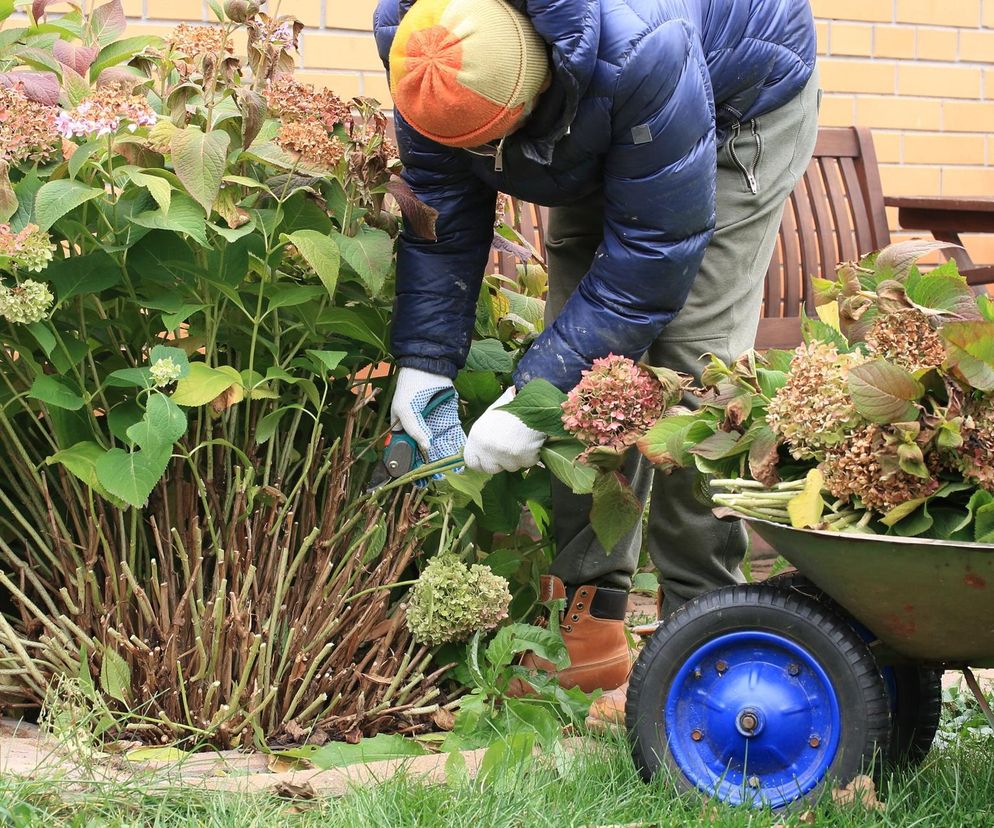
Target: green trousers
693	551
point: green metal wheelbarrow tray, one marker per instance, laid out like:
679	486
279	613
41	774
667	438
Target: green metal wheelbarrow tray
767	694
927	601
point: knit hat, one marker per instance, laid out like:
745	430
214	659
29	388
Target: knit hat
464	72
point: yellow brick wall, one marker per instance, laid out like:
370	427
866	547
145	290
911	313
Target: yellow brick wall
919	72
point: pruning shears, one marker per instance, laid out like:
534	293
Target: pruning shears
401	454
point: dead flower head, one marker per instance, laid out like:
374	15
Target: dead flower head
311	143
906	338
27	128
853	467
614	404
295	101
814	408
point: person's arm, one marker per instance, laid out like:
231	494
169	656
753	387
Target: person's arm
438	282
659	188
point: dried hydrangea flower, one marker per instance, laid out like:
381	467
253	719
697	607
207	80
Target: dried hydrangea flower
311	142
294	101
165	371
852	468
25	303
29	249
906	338
192	41
451	601
975	458
614	404
27	128
814	409
103	112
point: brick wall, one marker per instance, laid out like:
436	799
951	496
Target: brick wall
919	72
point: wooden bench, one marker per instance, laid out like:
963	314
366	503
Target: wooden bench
835	214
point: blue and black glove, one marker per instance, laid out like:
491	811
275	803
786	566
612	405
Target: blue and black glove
439	434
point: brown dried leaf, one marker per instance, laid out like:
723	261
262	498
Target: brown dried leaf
289	790
8	198
443	719
230	396
861	791
418	216
282	764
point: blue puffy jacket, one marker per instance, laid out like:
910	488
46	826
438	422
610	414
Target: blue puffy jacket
643	92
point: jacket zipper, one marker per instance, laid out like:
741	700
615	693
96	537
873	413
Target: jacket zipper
499	156
749	173
487	151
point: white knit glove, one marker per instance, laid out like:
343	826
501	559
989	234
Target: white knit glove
499	441
440	434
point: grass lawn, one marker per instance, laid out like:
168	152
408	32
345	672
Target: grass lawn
954	788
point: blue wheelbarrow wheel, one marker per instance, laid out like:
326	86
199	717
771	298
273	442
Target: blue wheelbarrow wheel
756	696
915	692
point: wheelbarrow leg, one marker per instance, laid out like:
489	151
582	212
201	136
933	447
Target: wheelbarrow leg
974	685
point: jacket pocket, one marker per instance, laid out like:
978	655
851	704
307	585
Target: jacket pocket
747	162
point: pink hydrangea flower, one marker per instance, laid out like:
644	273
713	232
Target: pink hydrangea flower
104	112
614	404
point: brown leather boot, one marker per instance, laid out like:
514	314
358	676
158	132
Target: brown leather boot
593	628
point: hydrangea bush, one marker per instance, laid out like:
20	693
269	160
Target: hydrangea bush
196	264
886	410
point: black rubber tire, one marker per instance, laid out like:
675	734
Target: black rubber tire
916	706
827	638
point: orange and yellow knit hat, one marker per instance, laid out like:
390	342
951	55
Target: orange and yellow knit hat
464	72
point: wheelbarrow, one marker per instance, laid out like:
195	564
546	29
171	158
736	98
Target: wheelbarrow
766	694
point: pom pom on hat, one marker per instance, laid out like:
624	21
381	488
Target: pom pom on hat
464	72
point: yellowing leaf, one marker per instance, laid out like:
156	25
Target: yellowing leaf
204	384
806	509
829	314
899	513
156	754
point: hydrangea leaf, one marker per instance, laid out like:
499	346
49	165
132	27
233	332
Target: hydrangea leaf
943	291
720	445
829	314
806	508
615	510
896	260
203	384
560	458
489	355
115	675
901	511
163	424
369	254
984	527
56	198
81	460
883	392
339	754
539	405
970	347
520	638
199	161
321	253
663	444
131	475
57	392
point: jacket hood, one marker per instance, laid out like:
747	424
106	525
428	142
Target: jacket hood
572	29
